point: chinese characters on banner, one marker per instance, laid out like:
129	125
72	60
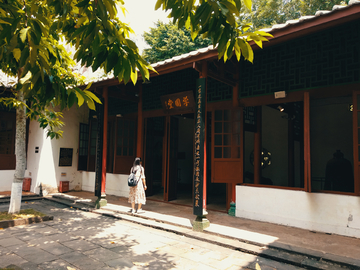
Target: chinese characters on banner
199	146
178	102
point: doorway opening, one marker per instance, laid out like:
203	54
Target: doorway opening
169	158
169	151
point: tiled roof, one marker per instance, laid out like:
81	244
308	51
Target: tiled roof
308	17
183	56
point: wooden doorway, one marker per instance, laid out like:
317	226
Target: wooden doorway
170	155
154	135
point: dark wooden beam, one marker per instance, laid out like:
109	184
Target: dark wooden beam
222	79
120	93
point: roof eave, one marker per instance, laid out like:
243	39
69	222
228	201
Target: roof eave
314	24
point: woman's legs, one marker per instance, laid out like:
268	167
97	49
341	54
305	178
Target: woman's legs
133	206
139	206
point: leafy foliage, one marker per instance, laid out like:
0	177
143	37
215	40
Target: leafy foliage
217	21
266	13
32	34
167	41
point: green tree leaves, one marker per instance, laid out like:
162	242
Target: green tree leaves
216	20
266	13
167	41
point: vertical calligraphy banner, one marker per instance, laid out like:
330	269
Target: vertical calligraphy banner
199	146
99	149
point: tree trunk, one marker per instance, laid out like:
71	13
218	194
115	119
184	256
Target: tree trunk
20	153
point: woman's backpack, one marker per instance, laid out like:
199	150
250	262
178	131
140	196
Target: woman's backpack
132	181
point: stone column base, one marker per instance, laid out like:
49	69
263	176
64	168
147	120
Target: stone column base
200	223
232	209
100	202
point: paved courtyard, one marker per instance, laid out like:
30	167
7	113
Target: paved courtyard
82	240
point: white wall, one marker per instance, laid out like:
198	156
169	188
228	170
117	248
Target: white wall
116	184
6	178
330	213
43	167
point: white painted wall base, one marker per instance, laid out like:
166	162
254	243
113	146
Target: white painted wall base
15	200
116	184
330	213
6	178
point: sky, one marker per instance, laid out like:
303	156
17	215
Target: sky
141	16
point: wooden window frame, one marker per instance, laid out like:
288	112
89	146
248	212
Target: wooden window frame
8	160
303	96
85	140
123	163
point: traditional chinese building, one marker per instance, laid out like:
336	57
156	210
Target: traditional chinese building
279	137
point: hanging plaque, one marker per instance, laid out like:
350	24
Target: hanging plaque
178	102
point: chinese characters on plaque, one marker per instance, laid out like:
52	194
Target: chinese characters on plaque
178	102
199	147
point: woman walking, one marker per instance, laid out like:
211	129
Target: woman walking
137	193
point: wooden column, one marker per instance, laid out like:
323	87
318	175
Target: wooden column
307	163
231	187
199	180
204	74
104	150
140	134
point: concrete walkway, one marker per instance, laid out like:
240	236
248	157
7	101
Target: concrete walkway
83	240
178	218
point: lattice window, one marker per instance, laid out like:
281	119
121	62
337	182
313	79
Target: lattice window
123	107
226	134
125	137
323	59
93	137
83	146
218	91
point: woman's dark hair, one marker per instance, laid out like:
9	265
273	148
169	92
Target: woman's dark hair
137	161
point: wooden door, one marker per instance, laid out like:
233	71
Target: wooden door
227	146
170	151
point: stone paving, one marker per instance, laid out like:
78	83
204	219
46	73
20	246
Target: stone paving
83	240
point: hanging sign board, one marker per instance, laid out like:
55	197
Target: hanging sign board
178	102
199	147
